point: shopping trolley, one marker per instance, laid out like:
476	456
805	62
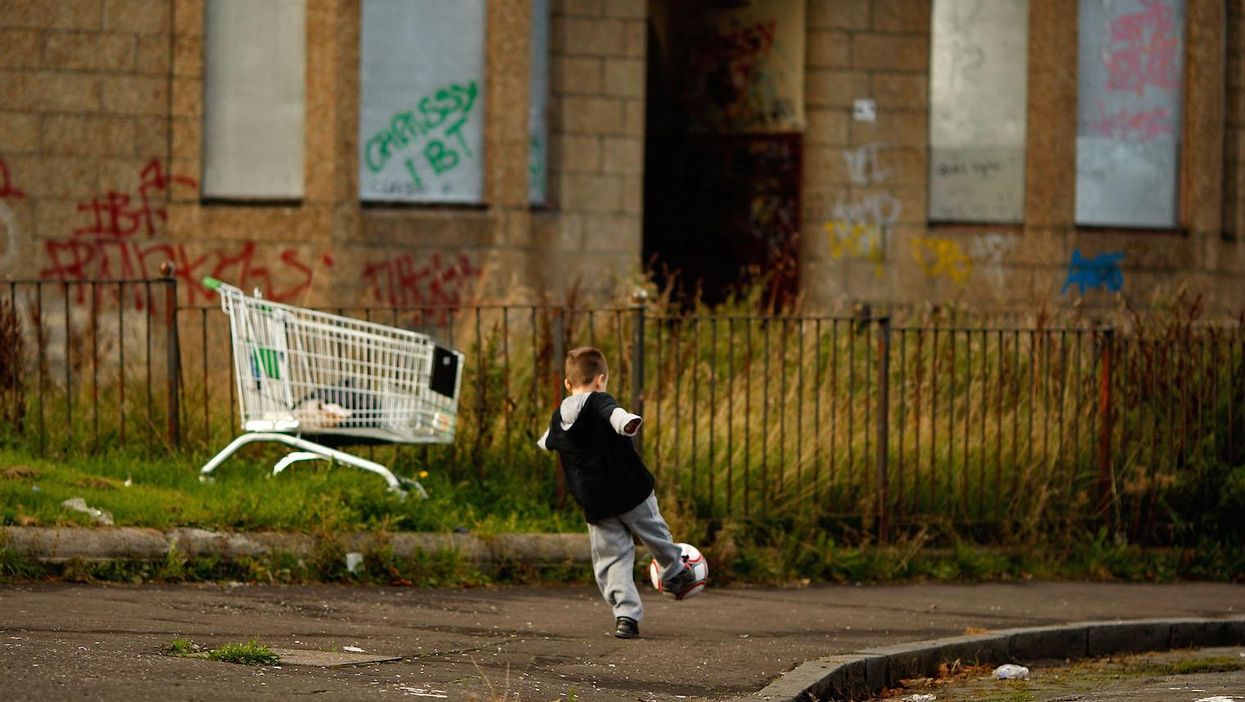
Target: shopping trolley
304	373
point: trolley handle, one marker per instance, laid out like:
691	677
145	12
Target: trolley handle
212	283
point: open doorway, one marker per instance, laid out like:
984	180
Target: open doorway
723	152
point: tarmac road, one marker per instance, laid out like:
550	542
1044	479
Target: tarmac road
67	641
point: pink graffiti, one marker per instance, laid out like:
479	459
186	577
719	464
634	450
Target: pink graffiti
1143	60
1145	125
118	214
432	282
7	189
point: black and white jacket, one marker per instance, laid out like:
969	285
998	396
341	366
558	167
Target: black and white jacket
604	474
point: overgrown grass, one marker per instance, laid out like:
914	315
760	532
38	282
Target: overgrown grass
309	497
250	653
763	432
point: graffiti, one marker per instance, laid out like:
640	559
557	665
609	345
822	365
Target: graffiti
8	191
285	279
1101	271
435	281
939	257
733	77
8	221
1143	125
863	165
983	167
106	247
118	214
737	69
988	251
853	239
1144	49
859	227
438	121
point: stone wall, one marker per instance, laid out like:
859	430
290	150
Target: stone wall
101	137
865	179
101	114
593	225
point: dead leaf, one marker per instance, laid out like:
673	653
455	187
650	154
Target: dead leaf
95	483
20	473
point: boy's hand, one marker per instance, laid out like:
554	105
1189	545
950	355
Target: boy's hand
632	427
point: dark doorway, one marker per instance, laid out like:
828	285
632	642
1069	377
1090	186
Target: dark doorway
722	168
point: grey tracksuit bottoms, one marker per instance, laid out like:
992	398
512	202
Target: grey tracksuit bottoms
613	554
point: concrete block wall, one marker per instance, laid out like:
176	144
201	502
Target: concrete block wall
865	234
101	111
100	159
591	238
1233	244
84	136
864	182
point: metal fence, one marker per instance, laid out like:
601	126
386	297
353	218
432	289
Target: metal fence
861	420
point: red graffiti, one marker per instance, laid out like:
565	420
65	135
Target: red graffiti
1144	125
1148	55
106	248
118	214
7	189
434	282
285	279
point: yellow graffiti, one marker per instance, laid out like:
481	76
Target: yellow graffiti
852	239
939	258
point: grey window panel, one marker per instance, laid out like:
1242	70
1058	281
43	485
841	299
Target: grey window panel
978	103
421	121
1129	111
253	111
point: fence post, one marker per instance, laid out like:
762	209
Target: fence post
557	369
883	428
1105	489
637	364
172	342
557	366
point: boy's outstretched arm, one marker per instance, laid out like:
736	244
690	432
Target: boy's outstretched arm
541	441
621	420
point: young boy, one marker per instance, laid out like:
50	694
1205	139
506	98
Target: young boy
592	434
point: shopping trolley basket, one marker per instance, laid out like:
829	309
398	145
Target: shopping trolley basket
303	373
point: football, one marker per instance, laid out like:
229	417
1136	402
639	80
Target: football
700	568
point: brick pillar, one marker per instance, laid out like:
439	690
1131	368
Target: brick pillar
1234	141
1050	166
876	50
596	142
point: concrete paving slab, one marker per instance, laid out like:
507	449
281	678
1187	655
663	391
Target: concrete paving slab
108	642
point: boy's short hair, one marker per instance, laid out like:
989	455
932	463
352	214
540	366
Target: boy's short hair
584	364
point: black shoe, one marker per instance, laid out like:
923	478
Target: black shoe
627	628
680	583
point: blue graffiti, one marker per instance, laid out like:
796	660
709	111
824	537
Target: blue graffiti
1101	271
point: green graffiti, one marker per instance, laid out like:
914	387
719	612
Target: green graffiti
442	147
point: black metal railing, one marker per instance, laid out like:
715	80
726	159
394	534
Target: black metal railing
851	418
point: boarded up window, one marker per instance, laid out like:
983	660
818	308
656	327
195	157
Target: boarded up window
1130	89
253	106
978	84
421	122
538	100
